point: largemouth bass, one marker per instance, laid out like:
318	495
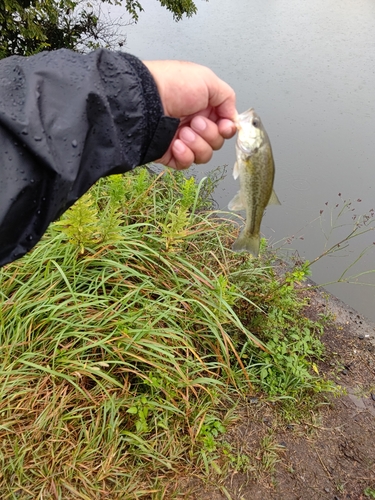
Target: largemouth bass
256	170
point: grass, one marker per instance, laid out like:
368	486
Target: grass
369	492
128	333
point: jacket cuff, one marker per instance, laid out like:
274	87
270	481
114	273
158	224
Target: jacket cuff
161	139
160	129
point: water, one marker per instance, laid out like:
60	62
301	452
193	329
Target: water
308	70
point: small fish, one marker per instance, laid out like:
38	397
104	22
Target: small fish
256	170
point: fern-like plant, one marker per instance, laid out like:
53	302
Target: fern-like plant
81	223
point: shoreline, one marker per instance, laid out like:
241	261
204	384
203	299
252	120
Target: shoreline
345	315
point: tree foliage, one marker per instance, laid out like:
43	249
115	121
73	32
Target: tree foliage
30	26
179	8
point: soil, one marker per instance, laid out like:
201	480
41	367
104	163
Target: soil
329	456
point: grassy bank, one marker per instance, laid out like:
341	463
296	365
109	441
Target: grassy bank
128	335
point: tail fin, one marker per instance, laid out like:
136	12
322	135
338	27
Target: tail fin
247	243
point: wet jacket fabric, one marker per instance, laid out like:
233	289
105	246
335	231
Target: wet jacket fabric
67	119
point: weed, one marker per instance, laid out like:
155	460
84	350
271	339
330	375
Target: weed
238	459
268	453
123	335
340	223
369	492
358	225
291	341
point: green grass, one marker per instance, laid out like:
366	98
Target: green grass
127	334
369	492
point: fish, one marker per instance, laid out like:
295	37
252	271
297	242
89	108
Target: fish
255	169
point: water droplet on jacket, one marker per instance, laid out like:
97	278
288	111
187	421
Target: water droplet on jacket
37	138
74	143
30	237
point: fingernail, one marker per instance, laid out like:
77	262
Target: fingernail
199	124
187	134
179	146
228	129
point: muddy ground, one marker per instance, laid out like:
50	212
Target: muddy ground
329	456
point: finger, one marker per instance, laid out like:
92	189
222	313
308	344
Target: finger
207	112
208	130
183	156
178	156
223	98
226	128
201	149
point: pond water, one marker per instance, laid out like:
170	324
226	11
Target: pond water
308	68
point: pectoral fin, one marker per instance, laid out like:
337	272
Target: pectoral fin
274	200
236	171
236	203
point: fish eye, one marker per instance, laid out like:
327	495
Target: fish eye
256	122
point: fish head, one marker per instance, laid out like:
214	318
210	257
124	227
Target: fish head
251	133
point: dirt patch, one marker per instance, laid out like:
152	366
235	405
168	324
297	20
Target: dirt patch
330	457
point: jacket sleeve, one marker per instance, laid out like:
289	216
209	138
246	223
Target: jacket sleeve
67	119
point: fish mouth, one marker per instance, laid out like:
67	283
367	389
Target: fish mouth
246	116
249	137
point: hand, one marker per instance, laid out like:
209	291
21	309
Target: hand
204	103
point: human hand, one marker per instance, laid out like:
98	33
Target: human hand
205	105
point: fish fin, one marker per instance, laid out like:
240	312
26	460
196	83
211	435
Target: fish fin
247	243
236	203
274	200
236	171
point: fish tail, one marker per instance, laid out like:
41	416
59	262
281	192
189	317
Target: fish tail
247	243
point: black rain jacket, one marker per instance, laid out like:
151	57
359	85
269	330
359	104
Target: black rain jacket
67	119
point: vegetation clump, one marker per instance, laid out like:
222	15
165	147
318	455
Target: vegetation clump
31	26
125	333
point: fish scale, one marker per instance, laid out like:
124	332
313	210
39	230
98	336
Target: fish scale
256	171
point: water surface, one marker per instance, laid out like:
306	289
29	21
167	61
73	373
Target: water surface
308	68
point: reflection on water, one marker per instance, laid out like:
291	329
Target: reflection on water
308	70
